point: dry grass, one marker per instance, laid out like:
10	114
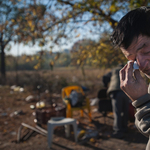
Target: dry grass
58	78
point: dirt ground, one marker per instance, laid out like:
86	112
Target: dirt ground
14	110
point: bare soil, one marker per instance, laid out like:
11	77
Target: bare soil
13	102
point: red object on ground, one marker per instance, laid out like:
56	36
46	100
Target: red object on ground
45	113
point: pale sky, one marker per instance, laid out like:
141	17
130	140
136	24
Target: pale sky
19	49
29	50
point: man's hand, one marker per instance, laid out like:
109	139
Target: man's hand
134	86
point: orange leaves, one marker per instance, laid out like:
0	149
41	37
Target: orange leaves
78	62
57	56
34	12
37	66
30	23
28	59
116	24
51	63
99	53
112	8
92	18
13	20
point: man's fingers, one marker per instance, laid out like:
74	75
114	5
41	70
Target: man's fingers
122	73
129	70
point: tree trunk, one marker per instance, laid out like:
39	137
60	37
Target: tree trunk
3	65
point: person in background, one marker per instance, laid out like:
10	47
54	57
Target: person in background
120	104
132	36
106	79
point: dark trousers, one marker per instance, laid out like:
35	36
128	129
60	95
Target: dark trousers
120	106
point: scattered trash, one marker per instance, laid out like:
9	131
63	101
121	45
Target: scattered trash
21	89
94	101
13	133
95	110
31	98
46	91
35	120
13	87
32	106
92	140
81	134
17	88
40	104
33	113
28	134
45	113
90	134
16	113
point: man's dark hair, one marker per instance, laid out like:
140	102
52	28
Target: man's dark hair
133	24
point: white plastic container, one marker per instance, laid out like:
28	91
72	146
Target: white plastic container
135	65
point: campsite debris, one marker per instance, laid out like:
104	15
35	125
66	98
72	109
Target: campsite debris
40	104
45	113
13	133
30	131
41	129
33	113
81	134
95	110
35	120
32	106
30	98
13	87
90	134
94	101
16	113
92	140
17	88
87	135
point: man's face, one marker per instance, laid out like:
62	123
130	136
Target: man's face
139	50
